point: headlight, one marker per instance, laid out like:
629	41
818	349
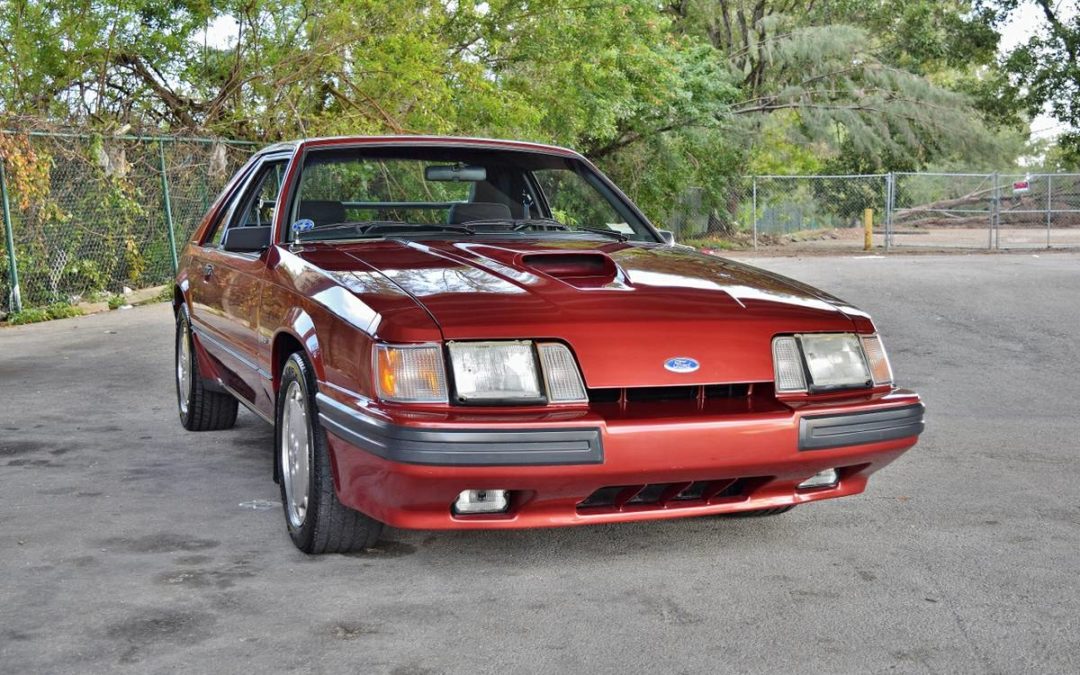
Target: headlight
493	372
829	361
517	371
835	361
410	373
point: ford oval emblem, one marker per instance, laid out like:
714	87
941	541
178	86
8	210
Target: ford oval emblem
681	364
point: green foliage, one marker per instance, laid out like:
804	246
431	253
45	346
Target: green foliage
166	294
1045	71
57	310
780	150
664	96
714	242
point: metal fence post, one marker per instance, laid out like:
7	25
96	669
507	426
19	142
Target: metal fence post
9	240
204	190
754	181
1049	205
167	203
890	195
993	208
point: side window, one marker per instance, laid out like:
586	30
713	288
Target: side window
254	207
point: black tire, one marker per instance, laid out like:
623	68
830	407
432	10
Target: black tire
206	410
759	513
327	526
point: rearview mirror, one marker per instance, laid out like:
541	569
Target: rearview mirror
456	172
246	239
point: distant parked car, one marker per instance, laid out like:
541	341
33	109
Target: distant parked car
456	333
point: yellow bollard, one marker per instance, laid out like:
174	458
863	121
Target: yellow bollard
868	227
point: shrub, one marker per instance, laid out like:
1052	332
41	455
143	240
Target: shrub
58	310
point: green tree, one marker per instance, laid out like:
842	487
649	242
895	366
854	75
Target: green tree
664	97
1044	70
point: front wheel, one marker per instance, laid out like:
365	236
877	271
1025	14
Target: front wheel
317	521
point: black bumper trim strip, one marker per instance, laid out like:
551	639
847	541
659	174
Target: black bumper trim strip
836	431
461	447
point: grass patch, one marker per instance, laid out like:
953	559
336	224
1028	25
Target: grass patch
57	310
737	241
166	294
715	243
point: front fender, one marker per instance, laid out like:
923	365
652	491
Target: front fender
297	327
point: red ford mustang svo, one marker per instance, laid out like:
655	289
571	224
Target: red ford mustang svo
461	333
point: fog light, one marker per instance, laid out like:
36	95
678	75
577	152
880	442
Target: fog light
826	478
482	501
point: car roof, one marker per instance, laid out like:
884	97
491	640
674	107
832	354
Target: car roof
353	141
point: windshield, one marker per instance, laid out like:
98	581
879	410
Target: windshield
446	192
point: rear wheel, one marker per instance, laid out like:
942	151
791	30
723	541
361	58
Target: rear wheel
317	521
200	409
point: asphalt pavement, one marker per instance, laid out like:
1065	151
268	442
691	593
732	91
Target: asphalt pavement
130	545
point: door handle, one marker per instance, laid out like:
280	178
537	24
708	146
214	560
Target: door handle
208	270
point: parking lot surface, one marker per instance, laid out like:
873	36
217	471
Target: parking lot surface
130	545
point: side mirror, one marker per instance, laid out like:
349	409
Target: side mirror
246	239
667	236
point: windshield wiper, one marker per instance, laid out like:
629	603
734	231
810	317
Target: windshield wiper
546	225
433	227
551	223
366	228
604	231
357	225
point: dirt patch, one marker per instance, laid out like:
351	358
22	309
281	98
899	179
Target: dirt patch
159	543
143	632
13	448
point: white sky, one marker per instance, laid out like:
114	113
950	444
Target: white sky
1024	22
221	32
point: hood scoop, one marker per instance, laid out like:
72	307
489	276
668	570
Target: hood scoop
581	270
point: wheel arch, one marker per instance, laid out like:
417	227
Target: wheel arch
180	287
296	335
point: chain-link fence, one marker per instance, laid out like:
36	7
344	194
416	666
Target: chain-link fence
764	209
789	204
929	210
991	211
86	216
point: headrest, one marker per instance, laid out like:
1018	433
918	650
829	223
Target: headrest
321	212
470	211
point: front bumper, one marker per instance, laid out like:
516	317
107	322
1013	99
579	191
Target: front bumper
407	471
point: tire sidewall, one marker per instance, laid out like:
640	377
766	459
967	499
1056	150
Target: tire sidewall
296	369
183	332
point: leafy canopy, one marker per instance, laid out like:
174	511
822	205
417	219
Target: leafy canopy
663	96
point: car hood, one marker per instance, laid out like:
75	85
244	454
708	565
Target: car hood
624	308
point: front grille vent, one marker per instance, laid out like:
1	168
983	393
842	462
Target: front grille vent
667	495
684	393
